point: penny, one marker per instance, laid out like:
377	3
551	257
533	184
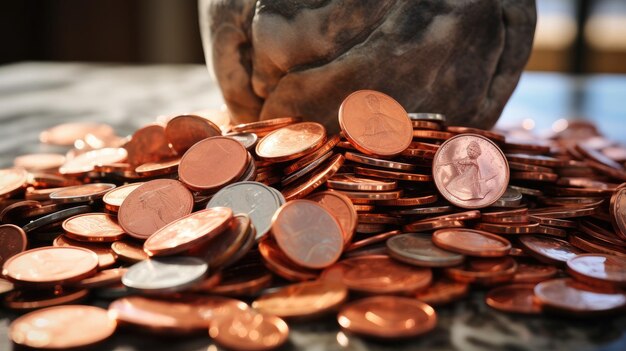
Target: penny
249	330
257	200
348	181
432	134
598	156
574	298
590	244
12	241
388	317
484	271
600	232
371	161
341	207
378	274
617	209
93	227
106	256
497	137
152	169
11	181
509	228
370	228
525	167
305	170
221	250
537	160
153	205
443	291
538	177
67	133
548	250
86	162
165	274
426	125
29	299
470	171
276	261
185	130
527	191
422	116
148	144
419	250
192	230
375	123
55	217
81	193
471	242
308	234
369	241
371	195
49	266
306	160
432	224
265	124
318	178
17	211
515	298
409	201
494	217
291	142
421	211
563	212
379	173
379	218
39	162
533	272
243	280
113	198
5	286
197	166
419	154
62	327
598	269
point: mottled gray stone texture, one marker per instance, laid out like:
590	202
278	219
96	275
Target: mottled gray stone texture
275	58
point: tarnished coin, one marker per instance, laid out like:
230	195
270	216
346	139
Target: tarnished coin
341	207
548	250
12	180
248	330
255	199
569	296
29	299
113	198
308	234
185	130
423	116
165	274
81	193
153	205
62	327
598	269
470	171
93	227
618	212
12	241
87	161
419	250
472	242
291	142
375	123
515	298
388	317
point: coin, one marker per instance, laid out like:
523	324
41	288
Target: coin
87	161
113	198
618	212
148	144
371	195
185	130
496	137
388	317
248	330
305	160
371	161
528	272
574	298
348	181
291	142
29	299
271	124
511	198
157	168
11	181
165	274
153	205
470	171
299	174
276	261
129	251
220	250
341	207
419	250
197	167
12	241
598	269
106	256
39	162
67	133
471	242
308	234
484	271
93	227
102	278
548	250
81	193
375	123
62	327
409	201
49	266
248	140
371	240
421	210
379	173
318	178
443	291
515	298
192	230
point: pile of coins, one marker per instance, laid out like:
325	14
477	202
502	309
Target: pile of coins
190	227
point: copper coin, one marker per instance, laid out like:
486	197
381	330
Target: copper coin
538	177
162	167
220	250
12	241
18	211
432	224
308	234
341	207
388	317
538	160
515	298
318	178
548	250
5	286
371	161
49	266
185	130
276	261
246	279
129	251
305	160
618	212
419	250
305	170
379	173
113	198
590	244
409	201
103	278
371	195
29	299
183	315
484	271
106	256
375	123
497	137
425	125
198	169
379	218
148	144
86	162
93	227
421	211
598	269
184	233
348	181
81	193
67	133
432	134
443	291
533	272
470	171
248	330
11	181
472	242
509	228
39	162
378	274
291	142
575	298
62	327
152	206
369	241
265	124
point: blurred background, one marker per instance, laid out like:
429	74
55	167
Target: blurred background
576	36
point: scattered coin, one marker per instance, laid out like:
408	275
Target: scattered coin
160	275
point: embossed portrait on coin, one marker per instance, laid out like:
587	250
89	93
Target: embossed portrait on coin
466	182
164	206
378	129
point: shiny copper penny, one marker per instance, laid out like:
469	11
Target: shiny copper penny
148	144
81	193
276	261
308	234
291	142
152	169
198	167
379	173
484	271
371	161
129	251
371	195
497	137
575	298
369	241
470	171
410	201
11	181
49	266
12	241
378	274
350	182
113	198
30	299
103	278
533	272
618	212
265	124
341	207
185	130
189	231
443	291
419	250
87	161
375	123
317	178
598	269
106	256
248	330
62	327
515	298
306	160
152	206
472	242
388	317
93	227
221	250
39	162
548	250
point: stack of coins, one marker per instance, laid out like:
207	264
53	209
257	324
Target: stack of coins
190	227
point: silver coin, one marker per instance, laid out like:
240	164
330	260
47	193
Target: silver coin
165	274
306	169
81	193
511	198
248	140
434	117
419	250
56	217
527	191
255	199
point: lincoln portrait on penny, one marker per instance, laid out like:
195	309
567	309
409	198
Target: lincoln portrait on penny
467	183
377	127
